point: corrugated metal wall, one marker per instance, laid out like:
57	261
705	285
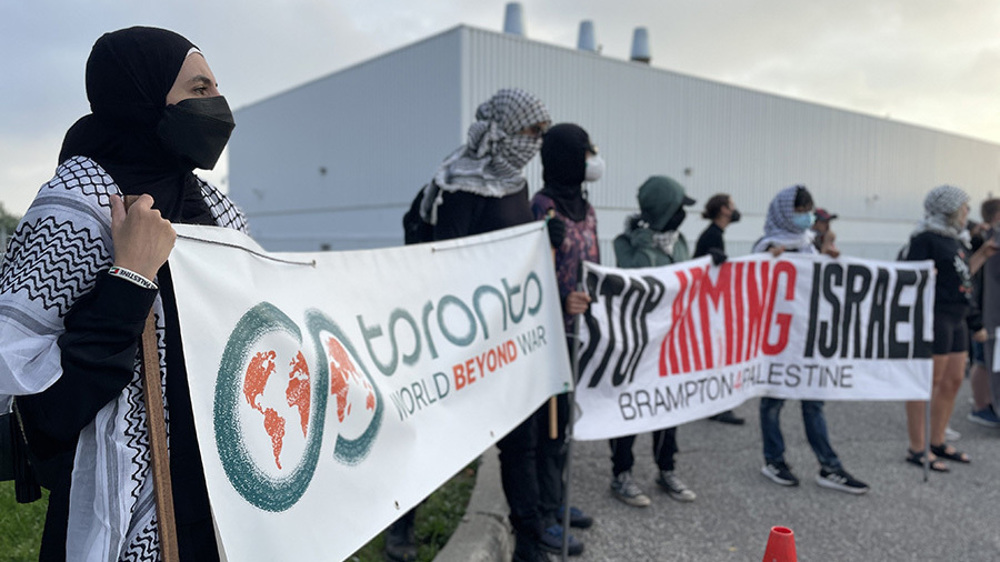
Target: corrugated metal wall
715	138
382	127
335	163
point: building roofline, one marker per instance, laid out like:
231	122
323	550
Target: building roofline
457	29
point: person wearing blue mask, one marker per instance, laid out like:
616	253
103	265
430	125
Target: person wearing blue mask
787	229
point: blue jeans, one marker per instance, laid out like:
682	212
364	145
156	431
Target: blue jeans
815	424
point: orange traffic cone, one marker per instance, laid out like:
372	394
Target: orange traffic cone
780	546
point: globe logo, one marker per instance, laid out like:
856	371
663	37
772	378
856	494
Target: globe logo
271	404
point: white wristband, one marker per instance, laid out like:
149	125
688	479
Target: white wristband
129	275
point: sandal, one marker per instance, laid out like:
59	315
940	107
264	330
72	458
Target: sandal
953	455
917	458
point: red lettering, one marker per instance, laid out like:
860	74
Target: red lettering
469	370
784	320
695	350
757	291
459	374
736	354
670	340
719	293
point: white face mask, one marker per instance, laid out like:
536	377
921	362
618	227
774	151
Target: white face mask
595	168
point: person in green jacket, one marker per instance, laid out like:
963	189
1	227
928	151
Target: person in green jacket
652	238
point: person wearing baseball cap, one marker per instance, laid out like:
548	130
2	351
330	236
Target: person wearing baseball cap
652	238
825	238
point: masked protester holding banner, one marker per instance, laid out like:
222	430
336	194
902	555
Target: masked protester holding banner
568	161
721	210
981	353
480	188
80	277
652	239
789	217
938	238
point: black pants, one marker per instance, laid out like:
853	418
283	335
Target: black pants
519	477
551	461
664	449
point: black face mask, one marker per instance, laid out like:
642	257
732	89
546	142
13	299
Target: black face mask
197	129
675	221
735	217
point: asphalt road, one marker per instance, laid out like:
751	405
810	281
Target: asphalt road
954	516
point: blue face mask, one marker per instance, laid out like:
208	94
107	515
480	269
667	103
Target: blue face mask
803	220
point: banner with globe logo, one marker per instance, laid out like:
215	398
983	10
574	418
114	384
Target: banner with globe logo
333	391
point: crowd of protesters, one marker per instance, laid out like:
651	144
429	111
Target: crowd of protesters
652	237
157	115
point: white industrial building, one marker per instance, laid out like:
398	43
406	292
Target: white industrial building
334	164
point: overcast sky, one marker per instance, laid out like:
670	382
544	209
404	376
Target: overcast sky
927	62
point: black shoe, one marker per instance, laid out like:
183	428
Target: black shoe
400	541
728	417
841	480
527	550
779	473
577	518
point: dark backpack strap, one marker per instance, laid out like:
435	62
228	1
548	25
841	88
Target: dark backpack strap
6	447
26	487
415	228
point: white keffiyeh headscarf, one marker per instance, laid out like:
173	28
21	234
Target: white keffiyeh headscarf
61	245
780	228
490	162
941	206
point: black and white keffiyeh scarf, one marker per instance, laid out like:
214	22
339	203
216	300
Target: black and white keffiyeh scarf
61	244
941	207
780	228
490	162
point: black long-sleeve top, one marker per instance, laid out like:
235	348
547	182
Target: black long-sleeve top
98	353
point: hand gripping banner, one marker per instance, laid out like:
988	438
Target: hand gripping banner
332	392
664	346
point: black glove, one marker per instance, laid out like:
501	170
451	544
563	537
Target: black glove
557	231
718	256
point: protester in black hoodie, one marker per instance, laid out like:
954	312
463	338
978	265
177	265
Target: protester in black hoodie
480	188
568	160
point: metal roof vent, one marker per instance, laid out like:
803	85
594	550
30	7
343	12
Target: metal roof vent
586	40
640	45
513	19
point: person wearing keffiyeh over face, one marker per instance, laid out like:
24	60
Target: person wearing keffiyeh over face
938	237
480	188
786	229
79	279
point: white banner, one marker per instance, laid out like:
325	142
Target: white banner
668	345
332	392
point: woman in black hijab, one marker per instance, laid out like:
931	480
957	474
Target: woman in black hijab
81	277
146	145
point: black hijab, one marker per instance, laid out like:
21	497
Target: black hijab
564	165
129	73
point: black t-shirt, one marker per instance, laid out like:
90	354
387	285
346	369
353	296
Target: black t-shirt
709	239
953	289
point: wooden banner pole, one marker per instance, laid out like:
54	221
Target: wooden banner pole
157	425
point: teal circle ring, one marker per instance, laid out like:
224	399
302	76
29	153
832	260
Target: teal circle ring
347	451
260	489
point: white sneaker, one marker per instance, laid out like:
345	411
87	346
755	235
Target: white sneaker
625	489
674	487
951	435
